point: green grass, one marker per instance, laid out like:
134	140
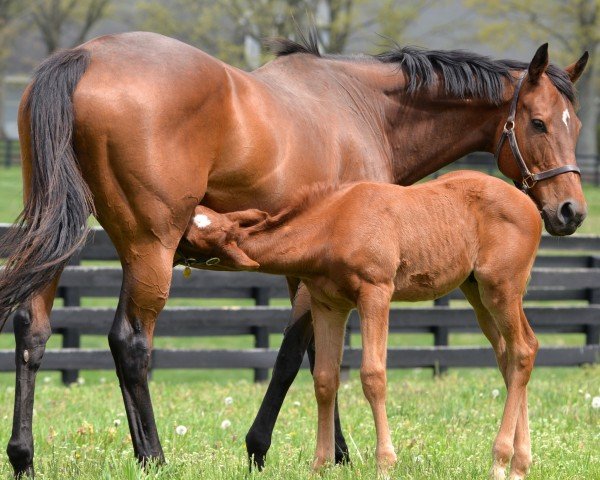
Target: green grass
442	428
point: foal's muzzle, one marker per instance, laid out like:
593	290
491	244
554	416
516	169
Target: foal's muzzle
567	217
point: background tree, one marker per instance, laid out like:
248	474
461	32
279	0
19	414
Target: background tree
231	29
571	27
11	13
55	18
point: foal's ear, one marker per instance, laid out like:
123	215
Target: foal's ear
576	69
538	64
247	218
238	258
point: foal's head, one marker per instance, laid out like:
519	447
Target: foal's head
213	234
546	128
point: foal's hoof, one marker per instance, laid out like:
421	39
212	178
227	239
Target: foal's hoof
498	472
319	463
385	462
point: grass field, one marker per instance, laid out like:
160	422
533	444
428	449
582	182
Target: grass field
443	428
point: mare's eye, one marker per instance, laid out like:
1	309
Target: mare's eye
539	125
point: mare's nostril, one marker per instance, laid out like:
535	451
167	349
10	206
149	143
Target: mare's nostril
567	212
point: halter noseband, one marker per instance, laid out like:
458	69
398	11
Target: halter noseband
529	179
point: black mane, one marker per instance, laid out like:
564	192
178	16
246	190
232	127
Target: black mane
465	74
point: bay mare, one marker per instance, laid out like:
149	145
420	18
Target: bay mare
138	129
366	244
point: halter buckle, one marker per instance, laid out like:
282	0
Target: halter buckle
509	126
528	182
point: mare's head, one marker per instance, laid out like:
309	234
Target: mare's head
216	235
546	129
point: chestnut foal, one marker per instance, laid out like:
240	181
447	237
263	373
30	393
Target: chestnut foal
365	244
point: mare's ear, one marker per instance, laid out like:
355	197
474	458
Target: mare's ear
576	69
538	64
247	218
237	256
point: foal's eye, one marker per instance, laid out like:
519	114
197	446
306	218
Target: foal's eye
539	125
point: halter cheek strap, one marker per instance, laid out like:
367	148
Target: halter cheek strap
528	179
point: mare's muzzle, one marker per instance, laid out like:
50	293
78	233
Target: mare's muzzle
565	219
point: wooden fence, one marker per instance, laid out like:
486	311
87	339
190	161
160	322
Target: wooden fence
567	269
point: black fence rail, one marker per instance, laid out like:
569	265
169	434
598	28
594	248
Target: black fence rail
569	276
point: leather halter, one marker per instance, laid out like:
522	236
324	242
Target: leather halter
529	179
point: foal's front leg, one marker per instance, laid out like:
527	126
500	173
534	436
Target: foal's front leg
521	459
374	309
298	338
329	327
521	349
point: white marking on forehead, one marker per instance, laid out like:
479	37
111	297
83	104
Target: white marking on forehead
566	117
202	221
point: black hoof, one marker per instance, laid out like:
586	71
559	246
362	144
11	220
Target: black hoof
342	456
25	472
256	461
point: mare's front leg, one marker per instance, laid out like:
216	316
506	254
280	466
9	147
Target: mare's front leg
297	339
330	327
147	272
374	308
32	330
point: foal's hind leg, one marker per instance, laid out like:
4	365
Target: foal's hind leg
147	271
521	443
32	330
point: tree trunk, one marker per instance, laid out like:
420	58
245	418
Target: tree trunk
2	96
588	113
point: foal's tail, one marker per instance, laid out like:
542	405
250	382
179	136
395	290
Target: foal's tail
53	223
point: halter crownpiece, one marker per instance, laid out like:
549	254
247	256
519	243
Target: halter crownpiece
529	179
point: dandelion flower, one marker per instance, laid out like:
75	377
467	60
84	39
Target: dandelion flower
117	422
495	393
102	380
47	379
296	403
225	424
181	430
228	400
596	402
80	380
587	396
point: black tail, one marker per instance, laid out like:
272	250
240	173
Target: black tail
53	223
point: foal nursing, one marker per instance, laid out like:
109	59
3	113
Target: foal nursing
365	244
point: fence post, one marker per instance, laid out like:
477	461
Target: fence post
440	335
344	370
71	338
592	333
261	334
8	152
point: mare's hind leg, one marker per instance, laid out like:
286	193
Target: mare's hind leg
521	443
32	330
147	272
298	339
